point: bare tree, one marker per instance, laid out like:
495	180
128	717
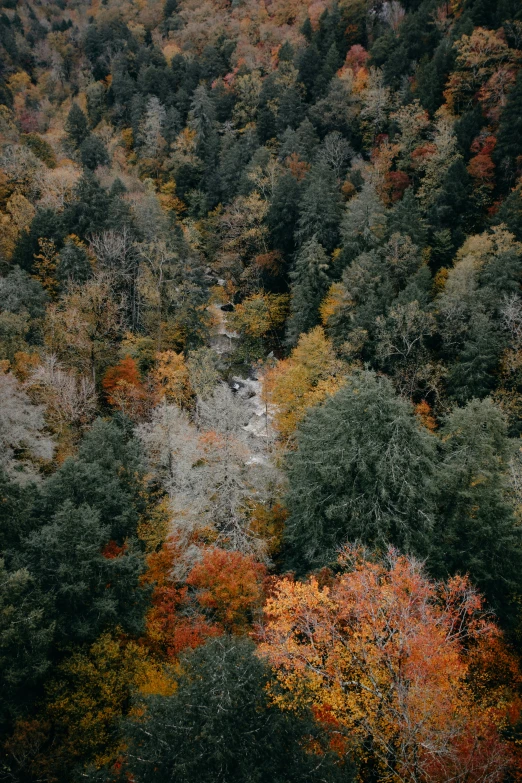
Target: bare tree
213	470
22	425
70	398
118	256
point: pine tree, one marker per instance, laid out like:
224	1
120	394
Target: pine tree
218	727
363	471
89	585
88	212
73	266
283	213
93	152
476	532
320	209
508	152
406	218
310	283
76	125
364	223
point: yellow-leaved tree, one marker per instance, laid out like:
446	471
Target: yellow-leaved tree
306	378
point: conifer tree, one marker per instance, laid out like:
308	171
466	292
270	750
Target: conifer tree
508	152
476	532
310	283
218	727
76	125
320	209
364	470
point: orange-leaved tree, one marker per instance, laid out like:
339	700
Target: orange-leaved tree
230	585
221	594
124	389
385	656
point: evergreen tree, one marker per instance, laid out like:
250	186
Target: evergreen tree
310	283
93	152
476	532
472	373
106	475
88	212
510	213
364	470
291	110
219	728
283	213
90	585
46	224
73	266
19	292
508	152
406	218
76	125
320	209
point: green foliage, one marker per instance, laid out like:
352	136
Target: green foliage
320	209
106	475
218	727
88	587
476	532
93	152
364	470
73	266
310	282
41	148
76	125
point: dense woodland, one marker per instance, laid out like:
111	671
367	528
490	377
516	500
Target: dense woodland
260	391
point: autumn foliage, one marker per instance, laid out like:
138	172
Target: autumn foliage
123	387
221	594
386	657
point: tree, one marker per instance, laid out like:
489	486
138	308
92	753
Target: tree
364	223
89	697
382	653
218	727
402	351
69	399
73	264
26	633
171	378
106	475
480	56
283	213
76	125
310	283
124	389
81	330
320	209
203	368
259	319
229	586
93	152
22	428
214	473
304	379
476	532
21	293
89	211
364	469
88	587
152	127
508	150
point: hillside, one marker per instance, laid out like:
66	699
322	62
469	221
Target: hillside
260	391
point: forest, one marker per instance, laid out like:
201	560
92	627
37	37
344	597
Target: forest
260	391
